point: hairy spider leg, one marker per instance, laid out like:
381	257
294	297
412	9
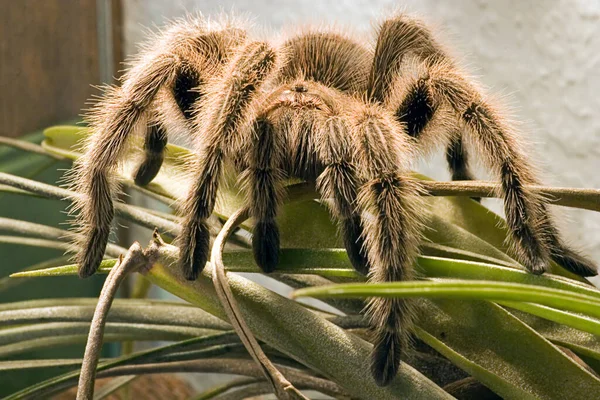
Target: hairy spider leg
440	87
229	101
322	60
404	37
186	91
390	208
113	119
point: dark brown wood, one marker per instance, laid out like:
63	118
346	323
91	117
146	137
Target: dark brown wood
48	61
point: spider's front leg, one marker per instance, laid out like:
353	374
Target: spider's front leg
187	45
390	208
338	185
263	180
230	98
111	122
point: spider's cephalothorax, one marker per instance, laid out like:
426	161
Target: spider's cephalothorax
326	109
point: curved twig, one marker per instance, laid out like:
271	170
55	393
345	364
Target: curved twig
282	387
134	259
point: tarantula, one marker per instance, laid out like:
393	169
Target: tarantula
320	107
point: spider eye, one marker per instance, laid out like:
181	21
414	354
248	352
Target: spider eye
248	88
300	88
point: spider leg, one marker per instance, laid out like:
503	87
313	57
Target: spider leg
457	158
186	93
400	38
338	184
561	253
397	38
390	207
263	179
111	123
499	144
458	161
439	84
226	111
118	114
154	145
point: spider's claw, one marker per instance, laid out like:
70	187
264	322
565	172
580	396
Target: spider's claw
574	262
538	268
265	244
354	243
194	250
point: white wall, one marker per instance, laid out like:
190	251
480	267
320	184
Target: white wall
545	54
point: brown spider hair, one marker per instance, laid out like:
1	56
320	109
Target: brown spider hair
323	108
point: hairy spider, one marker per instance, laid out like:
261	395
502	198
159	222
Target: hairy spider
323	108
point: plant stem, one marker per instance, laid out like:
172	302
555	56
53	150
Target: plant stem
134	259
229	366
30	147
588	199
125	211
281	386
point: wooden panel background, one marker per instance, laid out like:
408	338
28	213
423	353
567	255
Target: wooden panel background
49	58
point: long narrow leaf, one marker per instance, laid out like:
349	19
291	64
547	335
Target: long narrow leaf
465	290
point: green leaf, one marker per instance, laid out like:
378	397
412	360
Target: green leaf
582	343
31	338
8	282
299	333
135	311
465	290
502	352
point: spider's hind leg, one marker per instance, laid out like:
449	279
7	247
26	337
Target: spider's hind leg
457	158
500	147
535	237
562	254
440	84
